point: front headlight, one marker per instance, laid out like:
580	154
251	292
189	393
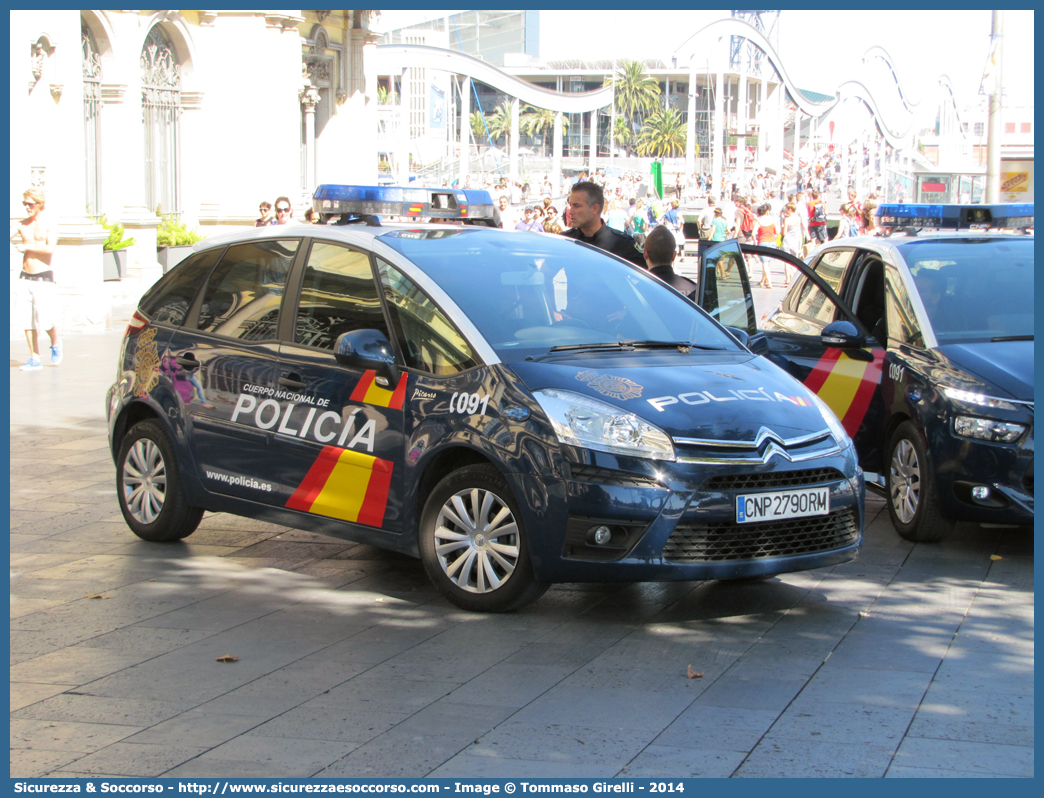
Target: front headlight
832	422
986	429
581	421
981	399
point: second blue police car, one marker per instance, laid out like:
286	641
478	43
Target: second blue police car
515	408
921	341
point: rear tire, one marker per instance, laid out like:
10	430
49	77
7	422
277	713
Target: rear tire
910	487
149	486
473	544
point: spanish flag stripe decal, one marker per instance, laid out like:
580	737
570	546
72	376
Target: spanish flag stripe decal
840	387
847	385
822	370
372	511
399	396
853	419
371	393
314	479
376	395
359	394
354	489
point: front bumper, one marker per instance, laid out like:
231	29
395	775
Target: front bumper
677	521
1005	469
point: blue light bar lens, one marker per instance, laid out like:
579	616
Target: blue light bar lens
956	217
410	202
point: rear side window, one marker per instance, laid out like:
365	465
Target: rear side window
168	301
245	290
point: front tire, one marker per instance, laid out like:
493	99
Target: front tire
149	486
473	543
910	486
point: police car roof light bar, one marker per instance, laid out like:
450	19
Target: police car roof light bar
1008	215
472	205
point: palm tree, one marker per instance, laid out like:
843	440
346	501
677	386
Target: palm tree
622	135
663	134
637	93
500	121
478	126
540	122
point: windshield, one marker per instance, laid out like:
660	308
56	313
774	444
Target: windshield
974	289
528	293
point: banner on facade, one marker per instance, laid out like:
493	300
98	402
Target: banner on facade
437	109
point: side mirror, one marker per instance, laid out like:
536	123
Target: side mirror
842	335
740	335
367	349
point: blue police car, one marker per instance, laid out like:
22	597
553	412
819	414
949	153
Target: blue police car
921	341
517	409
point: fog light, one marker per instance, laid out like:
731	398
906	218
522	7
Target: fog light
602	535
980	492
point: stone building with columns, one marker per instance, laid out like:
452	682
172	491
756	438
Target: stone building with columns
197	113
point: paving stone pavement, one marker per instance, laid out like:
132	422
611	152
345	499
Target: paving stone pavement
913	661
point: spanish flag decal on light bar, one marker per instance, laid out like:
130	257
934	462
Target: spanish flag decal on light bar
847	385
345	484
369	392
415	209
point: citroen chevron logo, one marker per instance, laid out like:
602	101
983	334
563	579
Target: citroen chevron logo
766	434
772	450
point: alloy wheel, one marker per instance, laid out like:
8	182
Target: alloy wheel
144	481
477	540
905	481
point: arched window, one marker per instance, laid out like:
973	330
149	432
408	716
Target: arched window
161	111
91	115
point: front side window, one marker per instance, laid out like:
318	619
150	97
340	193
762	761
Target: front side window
431	342
899	310
244	292
338	295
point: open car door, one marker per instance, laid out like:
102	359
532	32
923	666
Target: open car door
815	336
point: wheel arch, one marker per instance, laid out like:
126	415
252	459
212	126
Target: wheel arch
443	462
132	414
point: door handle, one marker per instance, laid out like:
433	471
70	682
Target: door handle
187	362
289	382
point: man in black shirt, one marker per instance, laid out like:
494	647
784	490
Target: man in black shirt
586	201
659	254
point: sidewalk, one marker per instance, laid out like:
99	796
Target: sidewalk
915	660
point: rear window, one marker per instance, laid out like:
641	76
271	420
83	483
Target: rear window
974	289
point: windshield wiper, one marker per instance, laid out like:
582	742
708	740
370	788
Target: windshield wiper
632	345
1012	338
672	345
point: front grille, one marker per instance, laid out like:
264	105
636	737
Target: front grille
725	541
774	479
608	476
1027	479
